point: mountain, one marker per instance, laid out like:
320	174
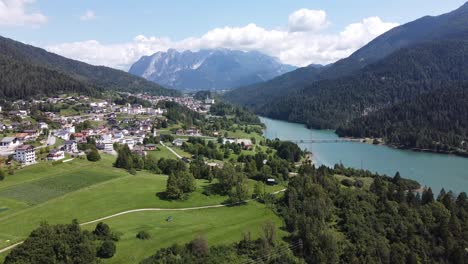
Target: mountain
29	71
436	121
216	69
448	26
405	74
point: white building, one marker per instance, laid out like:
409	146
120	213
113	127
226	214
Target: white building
70	146
25	154
56	154
9	142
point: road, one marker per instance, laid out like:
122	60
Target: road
145	210
171	150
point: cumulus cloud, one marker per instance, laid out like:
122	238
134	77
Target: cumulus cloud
302	43
19	13
304	20
88	15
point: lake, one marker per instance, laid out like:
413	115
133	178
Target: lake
433	170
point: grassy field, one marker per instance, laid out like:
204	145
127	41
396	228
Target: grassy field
86	191
366	181
162	152
218	225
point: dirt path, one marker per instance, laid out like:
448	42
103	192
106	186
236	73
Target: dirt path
146	210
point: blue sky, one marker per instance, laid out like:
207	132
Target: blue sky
118	22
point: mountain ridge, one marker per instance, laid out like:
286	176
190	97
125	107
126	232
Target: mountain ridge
97	77
208	69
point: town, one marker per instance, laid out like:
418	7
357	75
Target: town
31	135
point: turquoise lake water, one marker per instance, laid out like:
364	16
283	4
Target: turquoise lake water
433	170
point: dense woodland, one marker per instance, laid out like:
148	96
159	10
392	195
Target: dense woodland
54	244
401	80
450	26
388	223
21	80
404	75
436	121
336	222
42	65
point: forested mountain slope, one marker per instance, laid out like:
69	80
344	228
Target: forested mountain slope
435	121
405	74
101	77
21	80
453	25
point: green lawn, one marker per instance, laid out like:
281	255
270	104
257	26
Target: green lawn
219	225
366	180
85	191
162	152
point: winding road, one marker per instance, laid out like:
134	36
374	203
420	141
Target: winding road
148	209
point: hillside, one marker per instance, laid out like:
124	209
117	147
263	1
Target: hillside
403	75
216	69
435	121
102	78
22	80
453	25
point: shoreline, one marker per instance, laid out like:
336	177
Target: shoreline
395	146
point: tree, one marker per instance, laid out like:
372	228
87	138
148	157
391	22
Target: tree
93	155
55	244
102	231
427	196
240	192
199	246
2	174
179	185
143	235
107	249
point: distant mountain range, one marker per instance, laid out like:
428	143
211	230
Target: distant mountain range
215	69
397	72
27	71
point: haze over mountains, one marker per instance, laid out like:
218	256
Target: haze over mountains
215	69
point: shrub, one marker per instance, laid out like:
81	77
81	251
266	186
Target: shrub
358	184
143	235
347	182
93	155
107	249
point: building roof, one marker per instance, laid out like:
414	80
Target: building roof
24	147
8	139
69	142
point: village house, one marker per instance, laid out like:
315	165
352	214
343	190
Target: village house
151	147
139	150
9	142
32	133
42	125
229	140
25	154
56	154
22	137
63	134
70	146
80	138
245	143
106	146
178	142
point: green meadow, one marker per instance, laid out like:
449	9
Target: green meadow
87	191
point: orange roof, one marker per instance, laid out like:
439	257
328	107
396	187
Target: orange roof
21	135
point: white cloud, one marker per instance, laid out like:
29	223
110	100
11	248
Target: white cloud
304	20
19	13
88	15
303	43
